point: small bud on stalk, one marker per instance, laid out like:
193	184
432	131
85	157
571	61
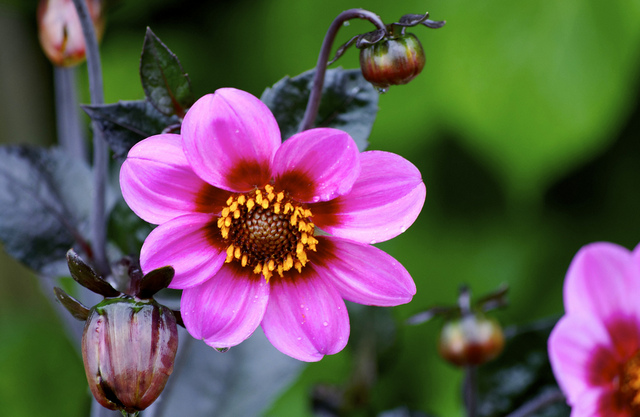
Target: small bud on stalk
392	61
468	337
129	341
389	56
470	340
60	32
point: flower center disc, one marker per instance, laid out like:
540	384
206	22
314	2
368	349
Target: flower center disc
267	232
629	388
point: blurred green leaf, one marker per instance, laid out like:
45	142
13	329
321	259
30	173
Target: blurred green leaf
45	203
37	359
165	84
241	382
534	89
519	375
349	103
128	122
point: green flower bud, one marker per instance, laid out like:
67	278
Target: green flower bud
392	61
128	349
472	339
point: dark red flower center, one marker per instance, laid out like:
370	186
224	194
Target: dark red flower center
267	232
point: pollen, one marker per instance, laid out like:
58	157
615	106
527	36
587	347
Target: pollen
629	384
267	232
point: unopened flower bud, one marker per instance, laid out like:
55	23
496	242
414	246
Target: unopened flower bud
392	61
60	31
128	349
472	339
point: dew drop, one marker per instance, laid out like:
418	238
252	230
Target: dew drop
315	198
301	305
403	229
373	242
382	90
299	338
325	324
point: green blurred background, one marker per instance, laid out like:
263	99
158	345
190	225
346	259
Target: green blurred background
524	123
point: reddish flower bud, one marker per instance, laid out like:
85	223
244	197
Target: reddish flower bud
471	340
392	61
60	32
128	348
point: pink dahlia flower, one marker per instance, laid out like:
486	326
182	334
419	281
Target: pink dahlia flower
595	348
271	234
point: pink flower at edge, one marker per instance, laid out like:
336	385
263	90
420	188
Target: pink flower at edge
240	214
595	347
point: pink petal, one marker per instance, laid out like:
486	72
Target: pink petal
581	355
226	309
603	280
317	165
158	183
230	138
191	244
363	274
600	402
385	200
306	318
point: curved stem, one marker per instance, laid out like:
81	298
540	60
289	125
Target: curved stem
321	67
100	151
543	400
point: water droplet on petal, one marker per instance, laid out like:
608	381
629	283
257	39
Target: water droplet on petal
403	229
301	305
299	338
325	324
315	198
373	242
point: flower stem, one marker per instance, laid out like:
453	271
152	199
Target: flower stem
469	390
70	135
543	400
321	67
100	151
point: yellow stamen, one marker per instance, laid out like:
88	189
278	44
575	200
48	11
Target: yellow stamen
229	254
